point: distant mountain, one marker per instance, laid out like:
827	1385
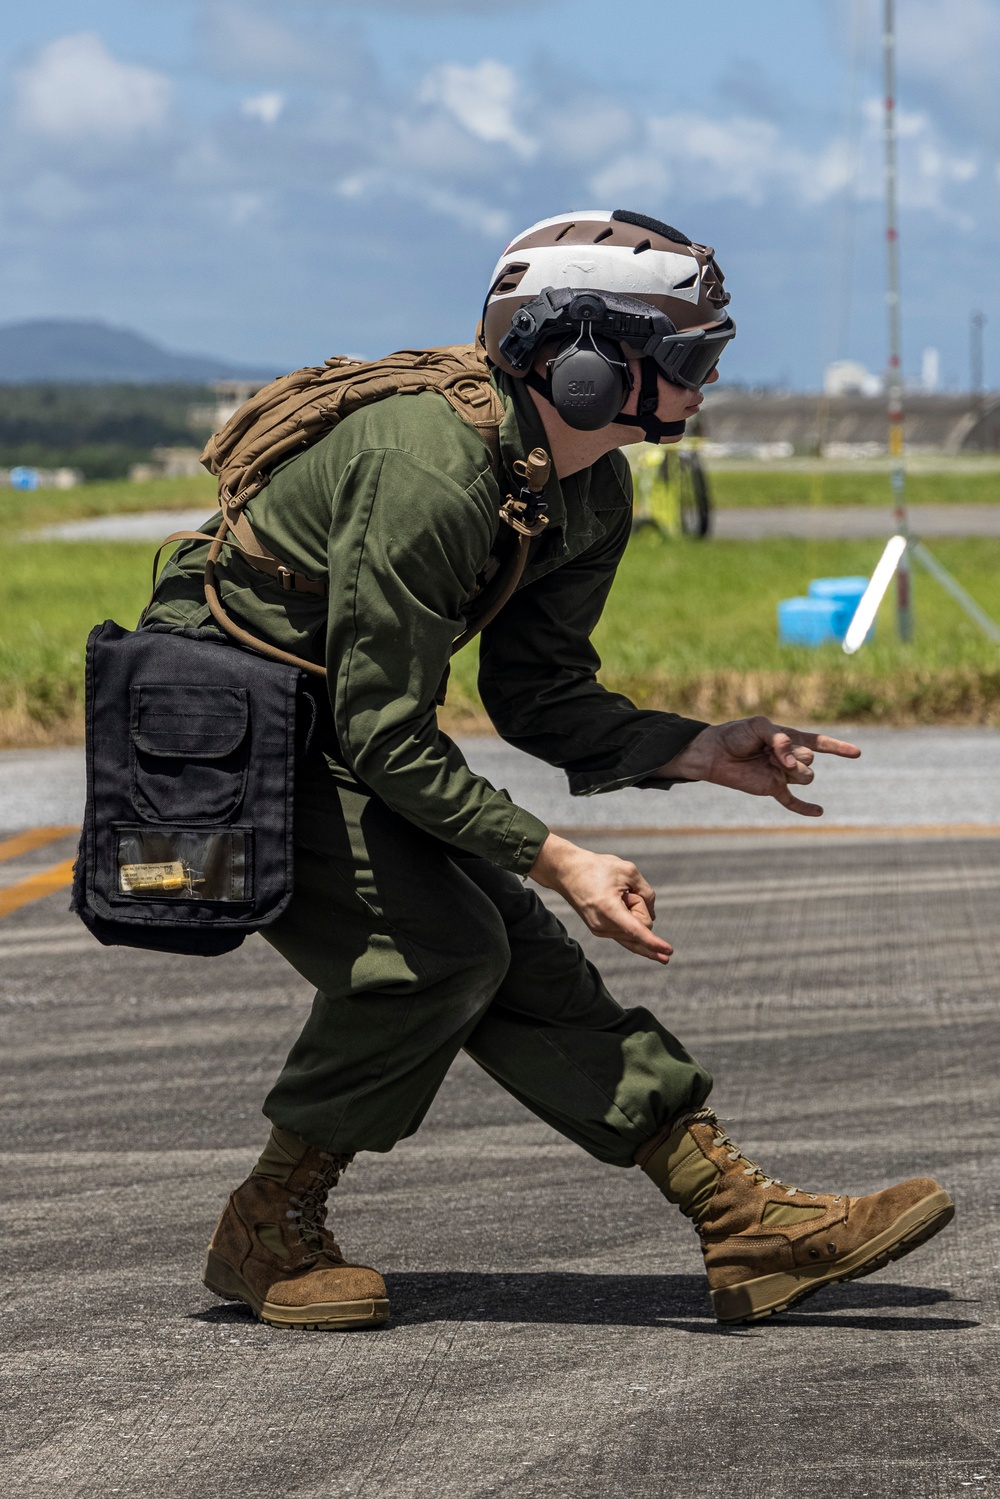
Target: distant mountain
77	349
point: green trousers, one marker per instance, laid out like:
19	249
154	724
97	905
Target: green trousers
416	952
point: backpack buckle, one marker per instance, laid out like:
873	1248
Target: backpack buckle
287	576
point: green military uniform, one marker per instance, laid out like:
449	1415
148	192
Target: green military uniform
409	914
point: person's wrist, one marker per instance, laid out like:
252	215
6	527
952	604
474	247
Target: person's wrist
551	861
694	761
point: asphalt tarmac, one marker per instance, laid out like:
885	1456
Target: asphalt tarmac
551	1335
929	777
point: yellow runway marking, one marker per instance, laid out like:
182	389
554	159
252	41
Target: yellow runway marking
36	887
23	843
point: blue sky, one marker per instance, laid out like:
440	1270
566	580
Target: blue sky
276	183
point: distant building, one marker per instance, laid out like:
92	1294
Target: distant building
168	463
846	377
740	423
230	396
930	372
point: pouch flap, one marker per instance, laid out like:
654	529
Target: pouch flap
175	720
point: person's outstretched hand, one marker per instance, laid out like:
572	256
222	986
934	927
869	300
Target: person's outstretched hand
759	757
608	893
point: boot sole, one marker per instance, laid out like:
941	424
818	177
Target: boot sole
322	1316
753	1300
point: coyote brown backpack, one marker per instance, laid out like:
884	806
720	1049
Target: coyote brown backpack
295	411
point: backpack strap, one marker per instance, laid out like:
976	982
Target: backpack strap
261	558
298	409
525	514
218	613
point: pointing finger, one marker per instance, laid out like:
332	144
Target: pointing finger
823	744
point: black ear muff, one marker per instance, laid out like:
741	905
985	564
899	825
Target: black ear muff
589	382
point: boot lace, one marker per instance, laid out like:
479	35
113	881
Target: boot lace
308	1210
751	1169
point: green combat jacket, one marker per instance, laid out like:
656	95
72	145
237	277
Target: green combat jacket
399	507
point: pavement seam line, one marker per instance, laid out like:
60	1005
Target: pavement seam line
32	838
907	830
36	887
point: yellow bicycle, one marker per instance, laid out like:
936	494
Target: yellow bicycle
670	489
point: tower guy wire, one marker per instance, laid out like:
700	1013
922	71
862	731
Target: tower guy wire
895	559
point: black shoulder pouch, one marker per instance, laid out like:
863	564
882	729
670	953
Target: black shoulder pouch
187	836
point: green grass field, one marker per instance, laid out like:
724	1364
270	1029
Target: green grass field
741	487
690	626
52	593
23	510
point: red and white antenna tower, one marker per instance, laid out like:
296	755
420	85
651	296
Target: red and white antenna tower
894	380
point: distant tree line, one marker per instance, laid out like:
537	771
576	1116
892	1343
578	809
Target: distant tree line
100	429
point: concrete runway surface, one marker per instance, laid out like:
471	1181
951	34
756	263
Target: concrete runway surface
853	522
551	1336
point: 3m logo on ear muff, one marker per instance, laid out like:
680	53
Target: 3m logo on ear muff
588	381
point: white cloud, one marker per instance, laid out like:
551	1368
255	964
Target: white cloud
752	161
927	166
264	107
634	175
742	159
465	210
483	99
435	144
76	89
468	212
242	39
582	134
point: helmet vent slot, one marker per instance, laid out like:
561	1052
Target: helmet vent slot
563	232
510	278
689	281
604	234
644	244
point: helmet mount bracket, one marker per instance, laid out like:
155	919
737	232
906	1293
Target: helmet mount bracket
588	381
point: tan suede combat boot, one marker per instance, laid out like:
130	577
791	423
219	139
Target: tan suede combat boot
767	1246
272	1250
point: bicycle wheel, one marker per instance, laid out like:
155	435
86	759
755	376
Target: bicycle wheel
696	498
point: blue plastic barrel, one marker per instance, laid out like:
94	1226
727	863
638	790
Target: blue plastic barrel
24	478
824	615
810	621
847	592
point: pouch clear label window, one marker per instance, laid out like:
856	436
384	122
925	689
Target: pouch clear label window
212	864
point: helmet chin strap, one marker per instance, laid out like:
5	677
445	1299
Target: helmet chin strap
646	418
